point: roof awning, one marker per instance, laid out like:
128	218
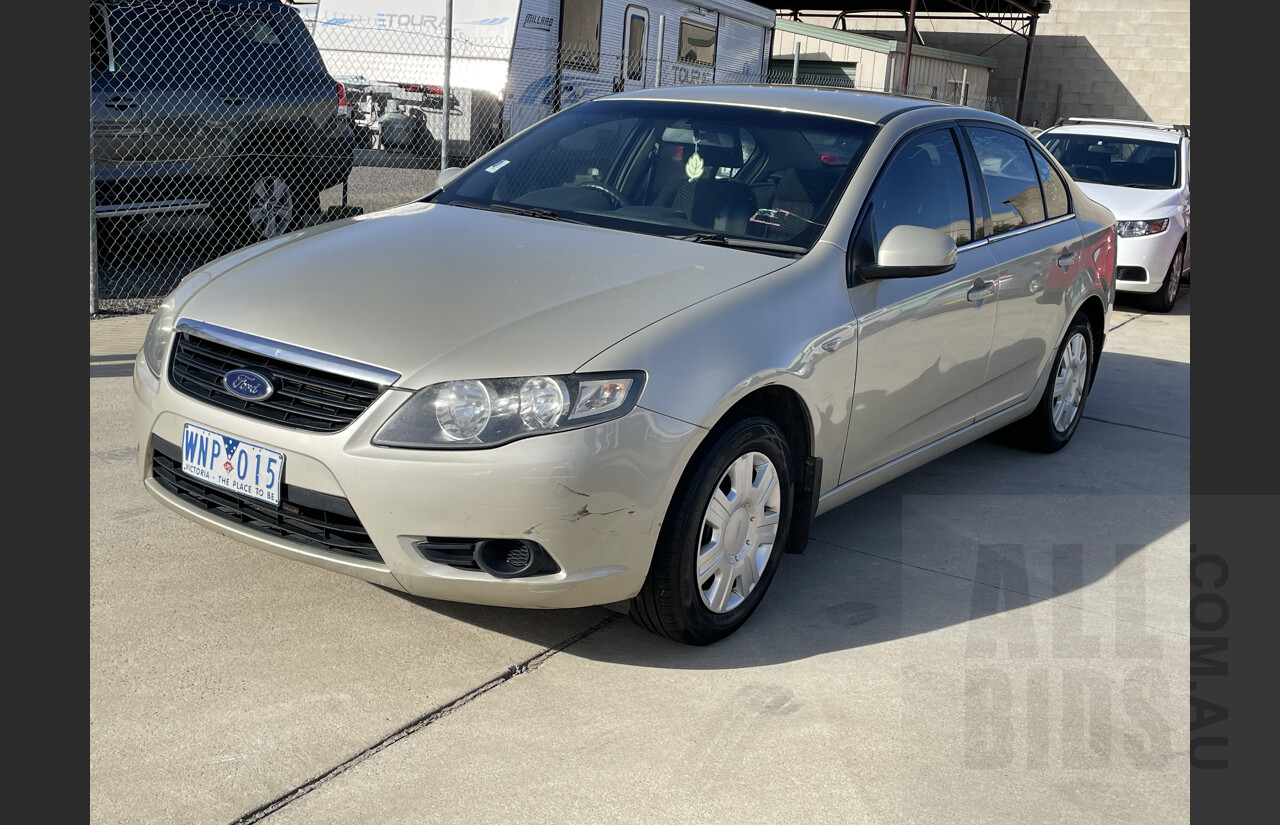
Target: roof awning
1015	16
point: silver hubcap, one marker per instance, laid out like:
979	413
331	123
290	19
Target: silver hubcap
1068	386
270	206
738	532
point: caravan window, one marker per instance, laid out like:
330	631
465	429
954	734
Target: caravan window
580	34
697	44
637	19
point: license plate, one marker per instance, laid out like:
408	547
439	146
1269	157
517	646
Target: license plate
232	464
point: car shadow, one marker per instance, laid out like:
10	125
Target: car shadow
983	530
1133	302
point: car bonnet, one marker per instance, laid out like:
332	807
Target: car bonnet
441	292
1130	203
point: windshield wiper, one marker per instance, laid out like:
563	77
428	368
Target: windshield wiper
741	243
511	209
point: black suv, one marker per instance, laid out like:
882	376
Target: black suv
215	106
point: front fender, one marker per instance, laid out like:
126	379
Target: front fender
793	328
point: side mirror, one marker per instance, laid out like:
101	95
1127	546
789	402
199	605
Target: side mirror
912	252
447	175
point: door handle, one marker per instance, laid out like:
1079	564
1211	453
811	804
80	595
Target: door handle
1066	259
981	291
233	101
120	103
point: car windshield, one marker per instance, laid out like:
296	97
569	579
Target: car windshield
1140	164
738	176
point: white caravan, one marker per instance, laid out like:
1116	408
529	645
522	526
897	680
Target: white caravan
539	56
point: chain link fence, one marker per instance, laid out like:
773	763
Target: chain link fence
215	125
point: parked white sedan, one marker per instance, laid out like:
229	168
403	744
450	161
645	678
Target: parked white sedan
1142	172
626	357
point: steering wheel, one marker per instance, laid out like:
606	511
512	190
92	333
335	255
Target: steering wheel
613	194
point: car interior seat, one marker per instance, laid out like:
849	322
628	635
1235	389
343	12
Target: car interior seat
792	196
1159	170
1082	164
720	204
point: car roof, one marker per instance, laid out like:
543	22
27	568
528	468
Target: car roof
854	104
1131	129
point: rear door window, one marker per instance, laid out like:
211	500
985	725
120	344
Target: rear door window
168	44
258	49
1012	181
1056	201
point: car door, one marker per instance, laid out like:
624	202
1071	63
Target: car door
923	342
1036	242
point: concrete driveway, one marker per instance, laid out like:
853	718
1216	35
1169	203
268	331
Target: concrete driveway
998	637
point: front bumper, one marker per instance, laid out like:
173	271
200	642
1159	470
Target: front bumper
1141	263
593	498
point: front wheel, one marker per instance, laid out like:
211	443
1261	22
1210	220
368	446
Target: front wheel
1163	300
1055	419
723	537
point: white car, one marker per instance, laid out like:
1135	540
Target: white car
1141	171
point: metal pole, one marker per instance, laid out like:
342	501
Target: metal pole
964	88
911	32
795	65
93	234
1026	67
448	60
657	71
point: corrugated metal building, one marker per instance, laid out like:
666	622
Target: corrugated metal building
867	61
1126	59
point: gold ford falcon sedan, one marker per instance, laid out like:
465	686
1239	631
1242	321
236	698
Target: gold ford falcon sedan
628	356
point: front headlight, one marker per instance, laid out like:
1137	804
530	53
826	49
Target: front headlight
158	335
485	413
1136	229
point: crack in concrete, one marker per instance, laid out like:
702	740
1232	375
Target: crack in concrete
527	666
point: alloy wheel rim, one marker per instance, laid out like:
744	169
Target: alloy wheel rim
271	206
1068	385
1175	275
738	532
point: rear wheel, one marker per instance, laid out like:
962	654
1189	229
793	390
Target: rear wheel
263	198
1050	426
723	537
1163	300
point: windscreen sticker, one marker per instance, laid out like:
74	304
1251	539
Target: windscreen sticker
496	166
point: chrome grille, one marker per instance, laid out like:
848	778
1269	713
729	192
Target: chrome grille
313	391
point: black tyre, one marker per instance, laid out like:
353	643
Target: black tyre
723	537
263	197
1050	426
1164	299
